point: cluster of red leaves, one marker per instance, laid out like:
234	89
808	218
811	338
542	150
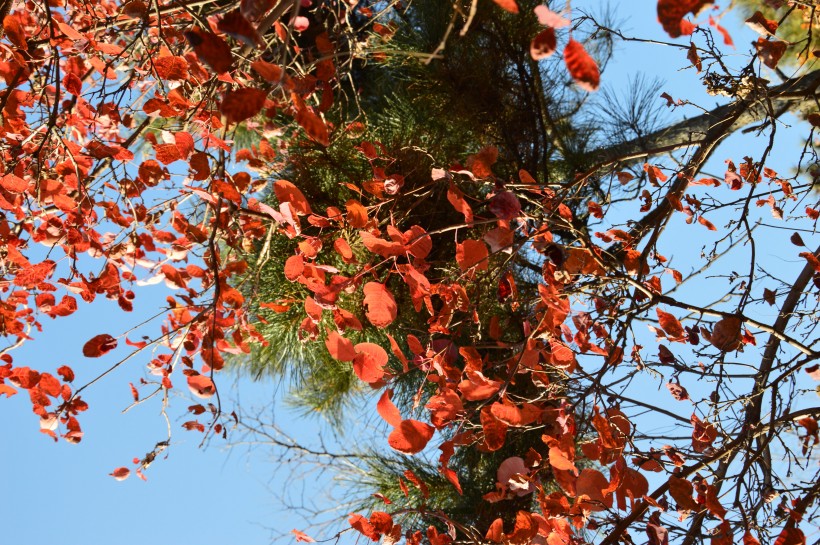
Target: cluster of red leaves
66	141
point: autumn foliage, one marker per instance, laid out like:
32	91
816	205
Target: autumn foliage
529	295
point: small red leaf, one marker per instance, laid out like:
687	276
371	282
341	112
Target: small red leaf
301	536
507	5
672	12
121	473
201	386
99	346
388	410
582	67
670	324
544	44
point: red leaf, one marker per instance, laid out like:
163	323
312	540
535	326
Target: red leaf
201	386
294	267
242	104
677	391
507	5
356	213
31	276
7	390
726	335
268	71
301	536
544	44
167	153
363	526
313	124
761	25
211	49
66	373
706	223
121	473
456	198
287	192
340	348
505	205
672	12
99	346
791	536
770	51
388	410
381	306
727	38
681	491
343	249
411	436
670	324
379	246
13	184
73	84
235	25
369	362
472	253
582	67
171	67
749	539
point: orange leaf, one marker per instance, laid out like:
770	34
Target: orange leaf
582	67
507	5
7	390
201	386
472	253
340	348
301	536
356	213
287	192
410	436
388	410
381	306
369	362
456	198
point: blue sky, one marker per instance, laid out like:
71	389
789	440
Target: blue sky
61	493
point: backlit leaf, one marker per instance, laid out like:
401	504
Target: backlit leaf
410	436
582	67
